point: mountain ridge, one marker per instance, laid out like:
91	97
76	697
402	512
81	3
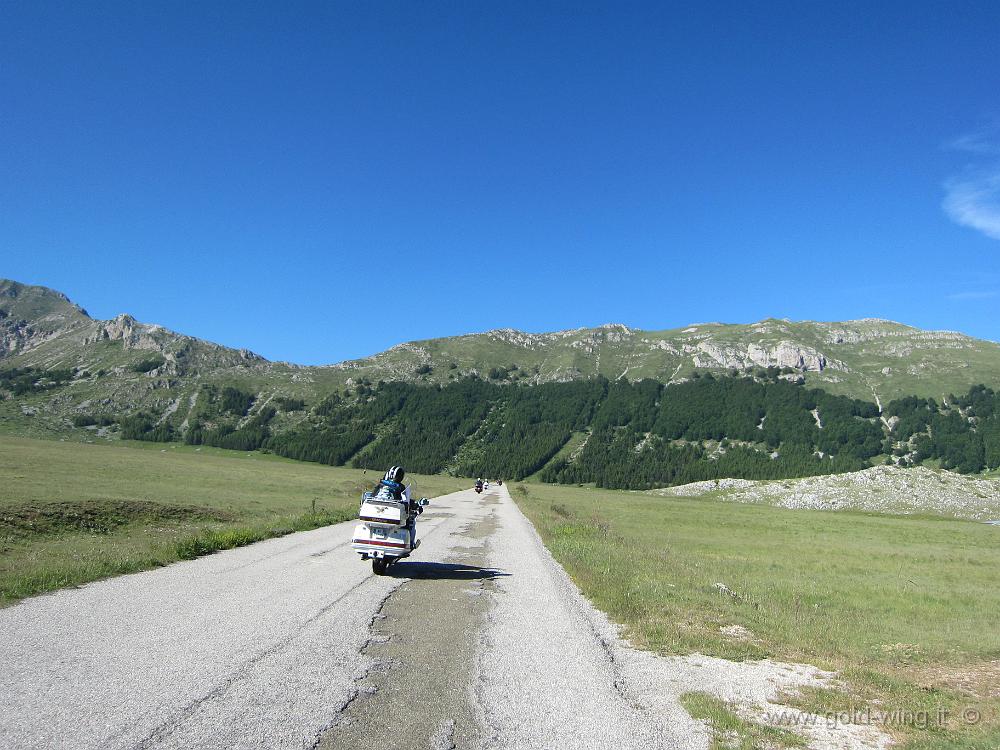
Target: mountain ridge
131	365
7	286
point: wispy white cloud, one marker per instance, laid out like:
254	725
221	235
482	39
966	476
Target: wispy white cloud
972	198
974	201
980	142
971	296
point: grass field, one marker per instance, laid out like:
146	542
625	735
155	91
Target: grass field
905	608
72	513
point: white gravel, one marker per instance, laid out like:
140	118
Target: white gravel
880	489
547	673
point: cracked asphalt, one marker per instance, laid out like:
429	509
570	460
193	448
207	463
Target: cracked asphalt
479	640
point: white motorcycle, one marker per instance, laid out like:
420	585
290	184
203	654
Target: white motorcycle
387	530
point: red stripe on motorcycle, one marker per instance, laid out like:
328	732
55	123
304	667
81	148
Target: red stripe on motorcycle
379	544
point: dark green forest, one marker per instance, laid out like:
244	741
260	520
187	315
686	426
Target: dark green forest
638	435
18	381
963	434
626	434
647	435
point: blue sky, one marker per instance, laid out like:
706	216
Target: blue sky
255	174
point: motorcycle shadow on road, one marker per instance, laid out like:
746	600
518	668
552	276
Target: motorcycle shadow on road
443	571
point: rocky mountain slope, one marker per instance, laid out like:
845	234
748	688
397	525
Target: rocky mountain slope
123	365
871	359
115	366
880	489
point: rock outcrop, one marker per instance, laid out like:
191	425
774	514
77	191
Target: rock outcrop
19	336
785	354
125	328
880	489
15	336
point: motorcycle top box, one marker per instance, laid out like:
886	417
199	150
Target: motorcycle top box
381	512
387	530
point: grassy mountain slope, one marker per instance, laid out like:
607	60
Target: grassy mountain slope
75	369
861	358
120	366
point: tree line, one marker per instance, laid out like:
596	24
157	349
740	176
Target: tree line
962	433
637	434
642	434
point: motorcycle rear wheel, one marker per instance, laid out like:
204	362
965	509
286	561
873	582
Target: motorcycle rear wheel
379	565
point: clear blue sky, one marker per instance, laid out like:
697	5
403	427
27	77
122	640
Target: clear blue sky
253	173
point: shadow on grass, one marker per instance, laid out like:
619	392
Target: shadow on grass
432	571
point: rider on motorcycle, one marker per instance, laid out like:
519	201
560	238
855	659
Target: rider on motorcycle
391	487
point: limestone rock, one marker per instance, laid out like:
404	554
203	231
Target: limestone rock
709	353
129	331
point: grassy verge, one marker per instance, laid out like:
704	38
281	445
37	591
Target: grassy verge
72	513
213	540
904	608
730	732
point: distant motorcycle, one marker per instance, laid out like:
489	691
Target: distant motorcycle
384	534
479	487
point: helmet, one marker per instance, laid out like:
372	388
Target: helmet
395	474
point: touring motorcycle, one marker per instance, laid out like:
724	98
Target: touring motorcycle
387	530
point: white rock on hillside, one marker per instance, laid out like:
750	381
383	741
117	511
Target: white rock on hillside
785	354
881	489
125	328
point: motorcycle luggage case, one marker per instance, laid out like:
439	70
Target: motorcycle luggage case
382	513
394	542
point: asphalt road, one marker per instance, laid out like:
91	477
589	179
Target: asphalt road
478	641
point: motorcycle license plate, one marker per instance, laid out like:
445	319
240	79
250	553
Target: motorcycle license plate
378	532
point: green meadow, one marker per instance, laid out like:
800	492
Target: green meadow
72	513
905	608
